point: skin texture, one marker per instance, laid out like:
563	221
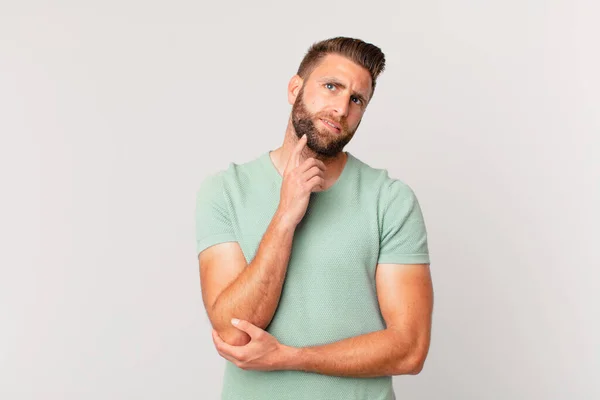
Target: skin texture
404	291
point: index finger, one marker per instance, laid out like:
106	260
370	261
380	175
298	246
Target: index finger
295	156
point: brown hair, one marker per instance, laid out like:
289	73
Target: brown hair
364	54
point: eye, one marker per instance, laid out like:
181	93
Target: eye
330	86
356	100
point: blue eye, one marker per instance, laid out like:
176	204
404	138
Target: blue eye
327	85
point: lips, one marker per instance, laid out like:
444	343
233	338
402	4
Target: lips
330	124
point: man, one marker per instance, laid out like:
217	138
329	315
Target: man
314	266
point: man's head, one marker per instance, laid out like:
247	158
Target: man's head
333	85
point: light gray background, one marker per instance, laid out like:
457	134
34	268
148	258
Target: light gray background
112	113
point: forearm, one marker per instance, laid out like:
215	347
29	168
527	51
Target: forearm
380	353
255	293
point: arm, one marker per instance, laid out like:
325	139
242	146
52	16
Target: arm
230	288
405	296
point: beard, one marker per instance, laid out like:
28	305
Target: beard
320	140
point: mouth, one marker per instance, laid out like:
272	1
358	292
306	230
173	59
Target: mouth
331	125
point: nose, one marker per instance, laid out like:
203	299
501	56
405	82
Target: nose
342	106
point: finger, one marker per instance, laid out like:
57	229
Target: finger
246	326
321	165
294	159
225	349
312	162
227	357
316	183
313	171
216	339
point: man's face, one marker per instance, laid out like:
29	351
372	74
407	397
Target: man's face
336	92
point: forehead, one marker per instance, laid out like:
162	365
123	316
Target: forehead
353	75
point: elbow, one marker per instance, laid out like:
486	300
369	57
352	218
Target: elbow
409	366
412	363
415	361
416	366
233	336
227	332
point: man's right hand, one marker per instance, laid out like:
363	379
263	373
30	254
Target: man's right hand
300	178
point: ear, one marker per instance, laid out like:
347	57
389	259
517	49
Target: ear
293	88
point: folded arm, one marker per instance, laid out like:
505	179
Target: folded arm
233	288
405	296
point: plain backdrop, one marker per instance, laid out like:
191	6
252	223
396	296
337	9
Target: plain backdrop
112	113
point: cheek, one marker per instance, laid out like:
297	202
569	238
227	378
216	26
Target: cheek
314	102
354	118
315	105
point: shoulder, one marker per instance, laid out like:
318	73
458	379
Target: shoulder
380	182
234	172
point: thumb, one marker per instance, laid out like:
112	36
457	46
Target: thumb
246	326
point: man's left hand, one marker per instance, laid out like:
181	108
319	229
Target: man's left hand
262	353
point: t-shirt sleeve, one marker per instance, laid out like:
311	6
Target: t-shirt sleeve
403	235
213	222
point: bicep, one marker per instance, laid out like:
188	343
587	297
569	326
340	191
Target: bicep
405	295
219	266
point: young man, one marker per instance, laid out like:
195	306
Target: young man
314	266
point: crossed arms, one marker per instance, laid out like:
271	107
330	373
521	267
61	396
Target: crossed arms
232	288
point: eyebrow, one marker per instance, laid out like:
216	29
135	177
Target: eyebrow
340	84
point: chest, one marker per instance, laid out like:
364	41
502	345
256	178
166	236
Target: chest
338	234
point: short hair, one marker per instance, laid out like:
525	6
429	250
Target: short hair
362	53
